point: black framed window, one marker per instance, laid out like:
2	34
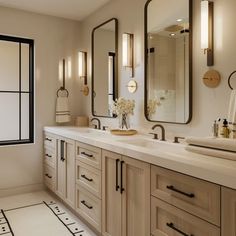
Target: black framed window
16	90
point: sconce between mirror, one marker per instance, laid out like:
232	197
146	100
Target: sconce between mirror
83	71
207	30
128	52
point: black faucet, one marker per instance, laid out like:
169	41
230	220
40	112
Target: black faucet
98	126
163	135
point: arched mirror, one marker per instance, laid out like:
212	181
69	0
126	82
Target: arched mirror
104	67
168	61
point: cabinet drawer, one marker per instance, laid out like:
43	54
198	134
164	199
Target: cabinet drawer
171	221
49	141
50	157
89	154
89	207
49	177
89	178
195	196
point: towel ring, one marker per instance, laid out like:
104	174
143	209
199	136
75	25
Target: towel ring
62	89
230	77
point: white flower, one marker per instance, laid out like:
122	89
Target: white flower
123	106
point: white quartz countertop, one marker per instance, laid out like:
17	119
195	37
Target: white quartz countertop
164	154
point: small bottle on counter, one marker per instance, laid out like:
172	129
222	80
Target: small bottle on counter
215	128
225	131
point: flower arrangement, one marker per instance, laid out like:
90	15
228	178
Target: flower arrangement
123	108
152	106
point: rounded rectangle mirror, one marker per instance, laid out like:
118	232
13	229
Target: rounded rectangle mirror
168	61
104	67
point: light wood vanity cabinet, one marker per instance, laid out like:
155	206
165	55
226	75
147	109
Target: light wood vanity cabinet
125	196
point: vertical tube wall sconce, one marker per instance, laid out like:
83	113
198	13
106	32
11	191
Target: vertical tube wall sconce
128	52
83	71
207	30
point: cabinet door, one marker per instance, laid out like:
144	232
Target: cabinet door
228	212
135	198
61	169
111	197
70	172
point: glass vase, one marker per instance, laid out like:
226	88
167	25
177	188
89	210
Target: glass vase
124	122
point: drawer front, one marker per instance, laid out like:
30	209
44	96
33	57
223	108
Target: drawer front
167	220
89	154
195	196
49	177
50	157
89	178
50	141
89	207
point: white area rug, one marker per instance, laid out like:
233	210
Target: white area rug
42	219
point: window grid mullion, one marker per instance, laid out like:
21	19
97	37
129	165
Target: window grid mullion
19	91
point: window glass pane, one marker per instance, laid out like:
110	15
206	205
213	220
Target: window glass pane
9	66
9	119
25	116
24	67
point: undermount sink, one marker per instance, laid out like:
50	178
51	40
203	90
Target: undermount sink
87	131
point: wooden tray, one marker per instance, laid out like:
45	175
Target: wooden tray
124	132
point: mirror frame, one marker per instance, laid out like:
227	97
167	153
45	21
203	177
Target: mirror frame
190	64
115	84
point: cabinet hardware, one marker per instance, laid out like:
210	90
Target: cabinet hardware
172	188
62	150
117	185
48	176
84	203
86	154
48	139
121	177
85	177
171	225
47	155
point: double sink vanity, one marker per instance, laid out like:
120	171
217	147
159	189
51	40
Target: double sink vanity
138	186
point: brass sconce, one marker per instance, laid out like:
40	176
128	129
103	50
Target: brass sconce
128	52
207	30
83	71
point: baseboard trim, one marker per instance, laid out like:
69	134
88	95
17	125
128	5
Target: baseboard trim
21	190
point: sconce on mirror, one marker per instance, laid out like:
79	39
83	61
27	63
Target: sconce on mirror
207	30
128	52
83	71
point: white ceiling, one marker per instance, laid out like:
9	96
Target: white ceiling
69	9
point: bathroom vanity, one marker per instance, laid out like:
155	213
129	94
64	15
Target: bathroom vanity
135	186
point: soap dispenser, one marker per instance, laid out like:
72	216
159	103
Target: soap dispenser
225	131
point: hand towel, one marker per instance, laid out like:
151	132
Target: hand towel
232	108
62	110
212	152
216	143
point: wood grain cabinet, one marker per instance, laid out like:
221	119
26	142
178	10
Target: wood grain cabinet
228	215
125	196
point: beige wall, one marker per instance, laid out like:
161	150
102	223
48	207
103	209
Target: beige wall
54	39
208	104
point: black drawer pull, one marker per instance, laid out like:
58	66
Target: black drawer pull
84	203
121	177
47	175
171	225
86	154
85	177
117	185
172	188
47	155
48	139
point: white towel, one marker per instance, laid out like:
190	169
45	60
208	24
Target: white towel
232	108
62	110
212	152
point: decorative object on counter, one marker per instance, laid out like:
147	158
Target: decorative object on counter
62	103
212	78
225	131
152	107
215	128
82	121
232	107
132	86
124	132
207	10
128	52
83	71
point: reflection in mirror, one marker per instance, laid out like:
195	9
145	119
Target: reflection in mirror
168	61
104	68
